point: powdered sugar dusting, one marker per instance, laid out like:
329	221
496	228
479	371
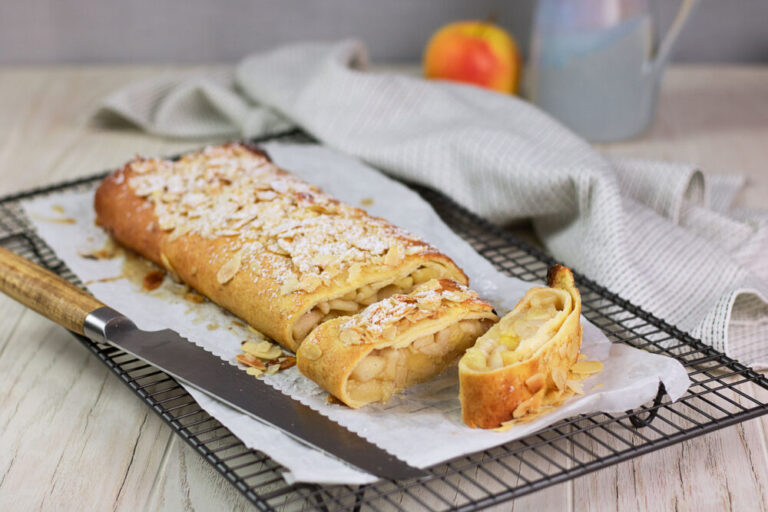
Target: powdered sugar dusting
285	228
432	299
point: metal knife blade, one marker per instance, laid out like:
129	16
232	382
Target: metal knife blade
201	369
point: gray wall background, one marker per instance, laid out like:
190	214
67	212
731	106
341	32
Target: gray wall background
200	31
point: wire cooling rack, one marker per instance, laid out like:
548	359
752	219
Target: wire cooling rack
723	392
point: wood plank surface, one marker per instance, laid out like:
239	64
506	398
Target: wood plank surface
72	437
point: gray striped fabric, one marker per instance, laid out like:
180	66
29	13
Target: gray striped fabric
657	233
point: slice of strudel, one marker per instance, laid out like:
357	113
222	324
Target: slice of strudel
394	343
524	360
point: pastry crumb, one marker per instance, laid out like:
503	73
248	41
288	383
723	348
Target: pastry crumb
195	297
107	252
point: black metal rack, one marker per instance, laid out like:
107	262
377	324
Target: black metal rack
723	392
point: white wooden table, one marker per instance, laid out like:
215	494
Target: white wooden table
72	437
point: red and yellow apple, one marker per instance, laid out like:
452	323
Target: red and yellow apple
475	52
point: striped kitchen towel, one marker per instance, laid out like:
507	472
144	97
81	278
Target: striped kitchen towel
659	234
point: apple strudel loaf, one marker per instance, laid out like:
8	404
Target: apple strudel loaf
272	249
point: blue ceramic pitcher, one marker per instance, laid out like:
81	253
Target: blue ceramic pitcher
594	67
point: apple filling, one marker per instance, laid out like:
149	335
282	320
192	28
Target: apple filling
389	370
357	300
521	333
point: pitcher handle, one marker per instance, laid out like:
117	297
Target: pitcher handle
665	48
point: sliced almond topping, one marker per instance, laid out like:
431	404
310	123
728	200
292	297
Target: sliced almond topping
254	371
311	351
431	284
530	405
506	425
587	367
286	362
350	336
290	284
250	361
310	282
535	382
576	386
229	269
431	302
262	349
559	376
166	262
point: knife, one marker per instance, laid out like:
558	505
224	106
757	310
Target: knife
73	308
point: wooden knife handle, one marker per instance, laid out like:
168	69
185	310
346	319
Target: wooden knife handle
45	292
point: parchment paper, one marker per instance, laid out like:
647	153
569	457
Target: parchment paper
423	425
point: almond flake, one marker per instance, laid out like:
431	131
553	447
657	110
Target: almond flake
229	269
250	361
262	350
587	367
310	351
575	385
350	336
166	262
559	376
309	283
535	382
290	285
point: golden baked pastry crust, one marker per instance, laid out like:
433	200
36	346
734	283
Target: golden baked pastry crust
492	396
255	239
332	353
